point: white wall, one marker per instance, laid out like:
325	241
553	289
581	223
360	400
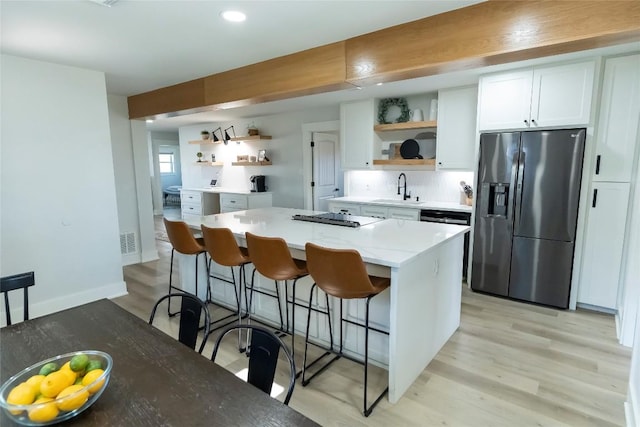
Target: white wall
284	177
58	199
432	186
633	400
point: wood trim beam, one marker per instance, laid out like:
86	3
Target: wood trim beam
317	70
181	97
489	33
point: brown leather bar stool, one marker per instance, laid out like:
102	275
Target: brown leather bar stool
183	241
342	274
223	249
272	259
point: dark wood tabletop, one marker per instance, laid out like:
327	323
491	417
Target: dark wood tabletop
155	381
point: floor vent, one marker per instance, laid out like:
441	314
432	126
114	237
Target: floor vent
127	243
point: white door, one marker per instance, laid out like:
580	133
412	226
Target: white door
327	177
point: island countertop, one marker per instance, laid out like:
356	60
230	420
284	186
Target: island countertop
389	242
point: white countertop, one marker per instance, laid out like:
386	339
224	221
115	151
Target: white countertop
389	242
224	190
447	206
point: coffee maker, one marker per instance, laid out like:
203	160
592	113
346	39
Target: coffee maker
258	183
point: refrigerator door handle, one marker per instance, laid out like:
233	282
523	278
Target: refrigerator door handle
512	182
519	190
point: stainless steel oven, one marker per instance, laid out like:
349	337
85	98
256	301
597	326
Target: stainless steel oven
451	217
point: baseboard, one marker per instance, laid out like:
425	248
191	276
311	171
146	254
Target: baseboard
596	308
64	302
632	409
149	256
138	258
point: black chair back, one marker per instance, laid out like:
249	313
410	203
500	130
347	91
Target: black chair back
11	283
191	310
263	350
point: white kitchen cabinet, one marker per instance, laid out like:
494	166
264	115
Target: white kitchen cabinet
232	202
536	98
617	130
404	213
456	136
356	126
194	204
603	244
374	211
344	208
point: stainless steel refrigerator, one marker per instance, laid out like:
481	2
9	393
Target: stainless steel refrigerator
526	214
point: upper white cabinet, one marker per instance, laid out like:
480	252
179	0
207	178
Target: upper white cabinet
603	244
617	130
535	98
356	125
456	137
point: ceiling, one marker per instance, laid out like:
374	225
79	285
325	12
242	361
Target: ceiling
143	45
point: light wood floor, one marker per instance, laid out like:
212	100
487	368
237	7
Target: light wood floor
509	364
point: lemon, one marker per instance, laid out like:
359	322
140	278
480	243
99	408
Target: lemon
91	377
35	382
54	383
48	368
79	362
71	376
43	413
22	394
77	397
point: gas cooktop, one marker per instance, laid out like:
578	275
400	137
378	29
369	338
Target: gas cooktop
337	219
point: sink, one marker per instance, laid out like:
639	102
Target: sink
397	201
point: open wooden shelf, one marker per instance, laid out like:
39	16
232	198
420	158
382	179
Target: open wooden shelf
406	162
249	138
205	141
251	163
405	126
210	163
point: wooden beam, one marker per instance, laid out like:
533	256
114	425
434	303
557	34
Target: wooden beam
176	98
321	69
488	33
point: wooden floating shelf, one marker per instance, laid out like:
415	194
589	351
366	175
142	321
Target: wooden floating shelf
251	163
405	126
210	163
406	162
205	141
249	138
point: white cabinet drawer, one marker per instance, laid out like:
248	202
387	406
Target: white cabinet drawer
374	211
344	208
187	196
233	202
401	213
192	208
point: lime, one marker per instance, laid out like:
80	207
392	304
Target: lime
79	362
48	368
94	364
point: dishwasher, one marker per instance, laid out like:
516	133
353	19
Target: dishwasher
451	217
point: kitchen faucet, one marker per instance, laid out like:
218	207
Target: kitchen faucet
405	196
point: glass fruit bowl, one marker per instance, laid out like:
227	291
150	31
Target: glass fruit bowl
56	389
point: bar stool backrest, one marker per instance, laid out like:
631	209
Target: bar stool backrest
191	310
222	246
271	257
11	283
181	238
339	272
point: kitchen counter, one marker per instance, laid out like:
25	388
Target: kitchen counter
389	201
421	308
224	190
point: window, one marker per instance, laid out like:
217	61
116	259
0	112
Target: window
167	165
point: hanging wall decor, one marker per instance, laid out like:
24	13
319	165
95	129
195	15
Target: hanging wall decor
383	108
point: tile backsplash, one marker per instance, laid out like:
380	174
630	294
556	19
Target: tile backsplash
428	185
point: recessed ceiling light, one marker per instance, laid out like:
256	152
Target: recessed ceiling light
379	84
233	16
149	120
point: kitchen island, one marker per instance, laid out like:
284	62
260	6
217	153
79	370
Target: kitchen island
421	308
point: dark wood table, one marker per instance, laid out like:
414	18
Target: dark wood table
155	381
